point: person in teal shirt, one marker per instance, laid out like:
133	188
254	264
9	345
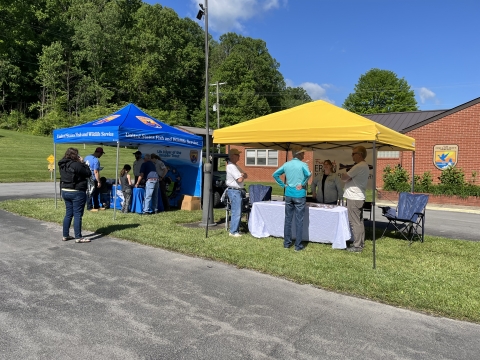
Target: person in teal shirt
296	175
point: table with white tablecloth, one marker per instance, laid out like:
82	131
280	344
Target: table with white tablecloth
320	224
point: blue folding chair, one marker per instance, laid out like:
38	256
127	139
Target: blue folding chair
410	213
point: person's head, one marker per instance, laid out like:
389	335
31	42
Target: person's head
138	155
234	155
154	156
72	154
147	157
103	179
298	153
98	152
328	167
126	169
359	153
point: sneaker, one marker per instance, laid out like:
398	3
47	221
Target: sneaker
235	235
300	248
287	246
66	238
354	249
102	208
93	210
82	240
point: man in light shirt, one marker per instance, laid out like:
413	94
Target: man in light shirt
355	186
297	175
235	191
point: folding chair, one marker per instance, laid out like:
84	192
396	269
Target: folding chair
410	212
367	206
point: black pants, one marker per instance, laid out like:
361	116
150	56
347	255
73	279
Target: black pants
163	191
94	196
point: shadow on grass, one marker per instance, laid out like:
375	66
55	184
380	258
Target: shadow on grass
107	230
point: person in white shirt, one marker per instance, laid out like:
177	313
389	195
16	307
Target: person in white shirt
355	186
235	191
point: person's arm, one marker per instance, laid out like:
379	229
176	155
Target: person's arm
96	173
306	174
140	177
129	180
276	175
339	186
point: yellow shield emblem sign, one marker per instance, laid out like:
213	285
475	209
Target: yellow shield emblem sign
445	156
194	156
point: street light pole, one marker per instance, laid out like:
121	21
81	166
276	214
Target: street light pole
207	204
217	108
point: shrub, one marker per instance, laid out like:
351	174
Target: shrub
452	177
395	179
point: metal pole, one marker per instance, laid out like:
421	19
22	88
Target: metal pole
374	185
116	184
55	170
413	171
207	209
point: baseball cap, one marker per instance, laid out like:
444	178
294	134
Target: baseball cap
99	150
137	152
234	152
295	152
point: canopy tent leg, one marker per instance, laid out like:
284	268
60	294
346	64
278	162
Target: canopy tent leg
413	171
116	184
55	171
374	186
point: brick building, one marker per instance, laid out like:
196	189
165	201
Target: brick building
459	126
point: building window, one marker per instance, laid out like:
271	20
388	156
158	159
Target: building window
388	155
261	157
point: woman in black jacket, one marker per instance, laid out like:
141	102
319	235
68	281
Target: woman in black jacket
73	181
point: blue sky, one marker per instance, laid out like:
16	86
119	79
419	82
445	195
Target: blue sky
325	45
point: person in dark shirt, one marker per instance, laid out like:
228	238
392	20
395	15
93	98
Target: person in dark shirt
105	192
73	182
148	172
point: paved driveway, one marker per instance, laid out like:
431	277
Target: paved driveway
112	299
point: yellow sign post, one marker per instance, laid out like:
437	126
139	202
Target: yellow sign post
51	165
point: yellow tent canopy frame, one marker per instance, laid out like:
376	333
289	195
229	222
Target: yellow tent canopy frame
317	125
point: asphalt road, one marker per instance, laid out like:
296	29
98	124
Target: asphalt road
112	299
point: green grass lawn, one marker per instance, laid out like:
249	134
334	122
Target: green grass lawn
440	276
24	157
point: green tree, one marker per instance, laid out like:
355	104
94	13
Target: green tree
381	91
292	97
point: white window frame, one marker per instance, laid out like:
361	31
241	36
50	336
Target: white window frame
256	157
388	155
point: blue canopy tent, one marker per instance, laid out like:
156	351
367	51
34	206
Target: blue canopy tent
129	126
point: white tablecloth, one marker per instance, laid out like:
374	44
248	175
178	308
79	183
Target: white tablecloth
267	218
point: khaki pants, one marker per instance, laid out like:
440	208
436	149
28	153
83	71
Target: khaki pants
355	217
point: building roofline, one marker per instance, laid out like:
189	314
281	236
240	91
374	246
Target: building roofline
442	115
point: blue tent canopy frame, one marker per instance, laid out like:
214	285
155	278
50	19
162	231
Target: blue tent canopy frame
129	126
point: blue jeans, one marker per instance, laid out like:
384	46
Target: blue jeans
75	206
151	196
235	197
293	206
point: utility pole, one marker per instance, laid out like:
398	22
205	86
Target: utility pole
207	203
217	108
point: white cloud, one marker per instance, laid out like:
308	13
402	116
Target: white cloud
316	91
425	94
230	15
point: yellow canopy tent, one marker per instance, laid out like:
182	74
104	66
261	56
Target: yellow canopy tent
317	125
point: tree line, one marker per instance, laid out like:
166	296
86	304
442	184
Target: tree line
65	62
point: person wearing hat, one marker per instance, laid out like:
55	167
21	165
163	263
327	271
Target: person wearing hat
94	164
295	185
235	190
137	164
